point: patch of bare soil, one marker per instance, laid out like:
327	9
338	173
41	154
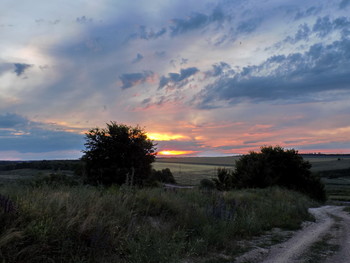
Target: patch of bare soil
327	240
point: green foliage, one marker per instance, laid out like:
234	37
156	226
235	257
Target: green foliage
118	154
276	166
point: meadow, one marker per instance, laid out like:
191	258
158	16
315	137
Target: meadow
190	171
62	223
58	219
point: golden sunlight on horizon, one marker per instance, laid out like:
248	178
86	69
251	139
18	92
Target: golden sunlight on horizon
165	137
174	152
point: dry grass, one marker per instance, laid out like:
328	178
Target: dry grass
87	224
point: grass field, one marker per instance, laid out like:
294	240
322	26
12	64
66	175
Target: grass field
191	170
119	224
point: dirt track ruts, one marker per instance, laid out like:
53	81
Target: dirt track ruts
331	221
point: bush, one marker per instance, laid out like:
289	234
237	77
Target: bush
207	184
276	166
224	181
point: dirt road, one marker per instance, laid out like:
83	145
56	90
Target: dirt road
325	241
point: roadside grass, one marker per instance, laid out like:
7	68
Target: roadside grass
119	224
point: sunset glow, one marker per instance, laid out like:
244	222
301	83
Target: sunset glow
174	152
203	78
165	137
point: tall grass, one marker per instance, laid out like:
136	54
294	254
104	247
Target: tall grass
86	224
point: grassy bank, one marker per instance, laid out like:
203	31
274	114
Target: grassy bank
86	224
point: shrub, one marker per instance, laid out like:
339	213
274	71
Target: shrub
163	176
207	184
224	181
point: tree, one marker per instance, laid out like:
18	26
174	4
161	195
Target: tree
276	166
118	154
272	166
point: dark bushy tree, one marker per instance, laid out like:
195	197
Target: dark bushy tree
274	166
163	176
118	154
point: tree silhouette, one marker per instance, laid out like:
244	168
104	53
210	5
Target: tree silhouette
118	154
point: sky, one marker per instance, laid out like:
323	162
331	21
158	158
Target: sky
203	78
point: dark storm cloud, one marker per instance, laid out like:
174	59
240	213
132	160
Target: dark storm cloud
322	68
20	68
17	133
131	79
176	78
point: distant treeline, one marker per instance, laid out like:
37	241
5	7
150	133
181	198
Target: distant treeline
41	165
325	154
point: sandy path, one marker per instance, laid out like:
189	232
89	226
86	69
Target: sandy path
331	221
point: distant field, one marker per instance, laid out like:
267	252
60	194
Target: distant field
324	163
215	161
189	174
191	170
21	174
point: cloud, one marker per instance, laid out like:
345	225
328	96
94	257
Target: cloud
344	3
292	77
20	68
132	79
178	78
311	11
12	120
17	133
249	25
303	34
195	21
84	20
219	69
323	26
148	34
138	58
